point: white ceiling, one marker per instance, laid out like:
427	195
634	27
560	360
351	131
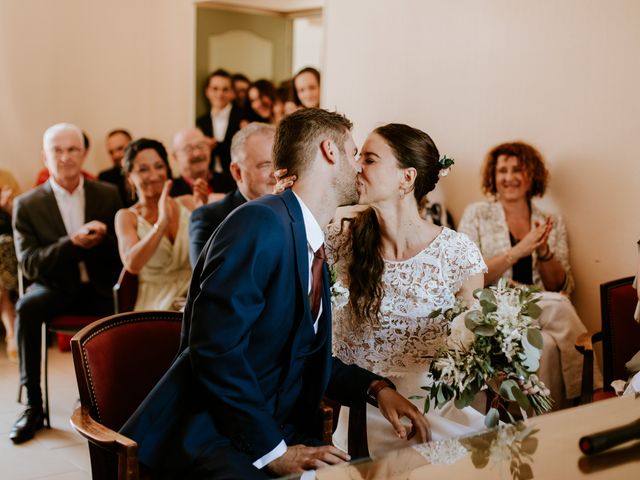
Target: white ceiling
283	6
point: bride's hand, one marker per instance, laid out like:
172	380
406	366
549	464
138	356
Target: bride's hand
394	406
284	181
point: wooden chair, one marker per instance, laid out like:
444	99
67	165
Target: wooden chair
118	360
125	292
620	337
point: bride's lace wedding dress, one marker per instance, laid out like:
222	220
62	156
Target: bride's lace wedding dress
400	344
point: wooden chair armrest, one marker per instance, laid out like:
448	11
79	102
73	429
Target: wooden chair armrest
585	341
107	439
326	413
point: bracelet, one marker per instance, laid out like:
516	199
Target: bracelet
377	386
545	258
509	257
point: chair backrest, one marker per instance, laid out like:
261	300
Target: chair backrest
125	292
119	359
620	332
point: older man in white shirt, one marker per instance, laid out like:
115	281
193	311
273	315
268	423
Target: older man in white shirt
66	248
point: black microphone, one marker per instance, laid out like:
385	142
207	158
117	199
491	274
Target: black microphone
598	442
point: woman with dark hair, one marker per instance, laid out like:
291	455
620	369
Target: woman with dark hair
262	96
394	268
153	234
523	244
306	91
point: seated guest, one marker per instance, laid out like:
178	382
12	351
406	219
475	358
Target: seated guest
262	95
192	155
240	84
153	233
306	91
252	169
117	141
219	124
43	174
66	247
255	358
9	189
523	244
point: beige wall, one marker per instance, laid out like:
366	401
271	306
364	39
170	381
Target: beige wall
121	63
561	75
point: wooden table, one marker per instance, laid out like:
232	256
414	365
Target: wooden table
544	447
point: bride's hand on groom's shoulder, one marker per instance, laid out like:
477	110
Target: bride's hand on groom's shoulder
394	406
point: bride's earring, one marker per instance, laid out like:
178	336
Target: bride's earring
403	192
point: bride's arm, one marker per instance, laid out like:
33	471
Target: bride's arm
469	285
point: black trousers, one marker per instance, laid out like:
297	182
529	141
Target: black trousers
38	305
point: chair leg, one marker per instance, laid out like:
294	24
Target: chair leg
20	393
45	354
587	378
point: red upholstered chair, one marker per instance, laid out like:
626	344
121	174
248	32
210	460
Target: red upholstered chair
620	336
118	360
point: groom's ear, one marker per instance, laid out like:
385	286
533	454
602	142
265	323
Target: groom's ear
329	150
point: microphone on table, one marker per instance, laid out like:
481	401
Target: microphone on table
600	441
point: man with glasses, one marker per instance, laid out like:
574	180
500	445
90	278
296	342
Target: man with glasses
191	153
67	249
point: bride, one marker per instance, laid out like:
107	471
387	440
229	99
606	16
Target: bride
396	268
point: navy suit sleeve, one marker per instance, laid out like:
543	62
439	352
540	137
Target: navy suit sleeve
204	220
238	265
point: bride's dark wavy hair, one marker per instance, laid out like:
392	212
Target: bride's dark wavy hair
412	148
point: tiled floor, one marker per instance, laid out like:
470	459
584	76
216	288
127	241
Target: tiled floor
58	453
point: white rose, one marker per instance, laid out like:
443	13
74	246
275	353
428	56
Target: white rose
339	295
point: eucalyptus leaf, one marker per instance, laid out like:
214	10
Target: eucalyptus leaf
472	319
525	472
485	294
506	389
485	330
488	307
529	445
435	313
532	310
491	420
415	397
520	397
534	337
427	406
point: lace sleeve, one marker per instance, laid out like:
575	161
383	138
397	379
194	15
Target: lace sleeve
466	261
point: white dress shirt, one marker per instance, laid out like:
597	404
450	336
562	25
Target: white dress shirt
315	239
71	207
220	122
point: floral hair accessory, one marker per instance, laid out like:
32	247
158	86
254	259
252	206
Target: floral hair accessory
445	165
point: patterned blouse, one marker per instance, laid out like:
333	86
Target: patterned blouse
485	223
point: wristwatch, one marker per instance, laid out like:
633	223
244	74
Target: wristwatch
374	389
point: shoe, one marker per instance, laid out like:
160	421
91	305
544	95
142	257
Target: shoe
31	420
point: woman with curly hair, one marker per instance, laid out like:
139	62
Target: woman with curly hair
524	244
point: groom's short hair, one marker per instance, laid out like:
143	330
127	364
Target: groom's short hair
299	135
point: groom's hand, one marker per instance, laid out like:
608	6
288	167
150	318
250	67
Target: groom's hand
300	457
394	406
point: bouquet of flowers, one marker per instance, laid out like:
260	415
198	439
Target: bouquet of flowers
494	345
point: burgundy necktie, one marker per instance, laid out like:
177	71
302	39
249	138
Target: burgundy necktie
316	282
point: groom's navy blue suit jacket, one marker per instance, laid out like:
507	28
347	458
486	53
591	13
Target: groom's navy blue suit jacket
251	371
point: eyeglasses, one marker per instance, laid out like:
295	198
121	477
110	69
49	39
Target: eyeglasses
189	149
58	152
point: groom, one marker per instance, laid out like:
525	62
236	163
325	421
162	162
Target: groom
240	399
